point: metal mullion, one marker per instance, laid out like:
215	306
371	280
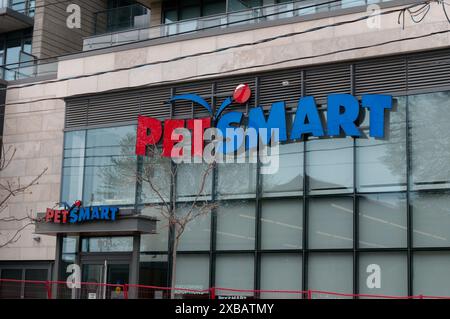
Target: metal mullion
171	233
305	198
258	204
213	224
409	220
355	200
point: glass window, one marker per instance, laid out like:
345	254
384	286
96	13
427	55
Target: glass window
194	180
329	165
235	5
236	225
170	16
32	290
110	169
331	272
156	178
431	220
282	224
192	272
73	166
281	272
382	221
158	241
190	13
381	163
234	271
107	244
431	273
383	274
11	290
430	149
153	271
288	179
236	180
212	7
197	233
331	223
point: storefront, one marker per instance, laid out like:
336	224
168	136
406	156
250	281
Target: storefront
337	211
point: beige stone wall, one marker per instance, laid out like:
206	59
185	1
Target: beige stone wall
36	129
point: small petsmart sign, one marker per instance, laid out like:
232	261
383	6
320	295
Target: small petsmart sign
79	214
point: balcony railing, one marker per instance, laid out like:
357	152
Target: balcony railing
28	67
245	17
26	7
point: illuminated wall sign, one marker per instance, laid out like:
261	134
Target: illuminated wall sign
79	214
343	112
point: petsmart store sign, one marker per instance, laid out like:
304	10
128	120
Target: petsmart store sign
343	112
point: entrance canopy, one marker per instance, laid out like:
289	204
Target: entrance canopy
125	224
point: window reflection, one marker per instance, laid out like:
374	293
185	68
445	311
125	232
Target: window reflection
110	166
430	143
381	163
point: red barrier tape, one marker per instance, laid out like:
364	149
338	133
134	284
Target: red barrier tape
213	291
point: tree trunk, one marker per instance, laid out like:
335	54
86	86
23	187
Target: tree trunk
174	267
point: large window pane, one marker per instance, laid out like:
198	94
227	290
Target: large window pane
282	224
236	5
330	273
158	241
383	274
382	221
192	272
194	180
234	271
329	165
73	166
431	273
331	223
11	290
381	163
35	291
197	233
236	225
288	180
156	178
107	244
430	143
281	272
236	180
110	172
431	220
153	270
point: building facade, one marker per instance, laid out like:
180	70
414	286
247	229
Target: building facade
350	215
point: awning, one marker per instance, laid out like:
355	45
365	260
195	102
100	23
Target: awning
123	225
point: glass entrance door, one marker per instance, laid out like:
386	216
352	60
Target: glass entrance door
100	276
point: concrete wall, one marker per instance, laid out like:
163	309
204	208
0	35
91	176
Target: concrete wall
36	128
51	35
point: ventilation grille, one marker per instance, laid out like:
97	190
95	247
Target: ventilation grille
429	70
281	86
380	76
321	81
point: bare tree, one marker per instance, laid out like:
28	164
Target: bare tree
10	188
175	215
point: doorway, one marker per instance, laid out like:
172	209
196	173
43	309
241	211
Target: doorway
101	274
